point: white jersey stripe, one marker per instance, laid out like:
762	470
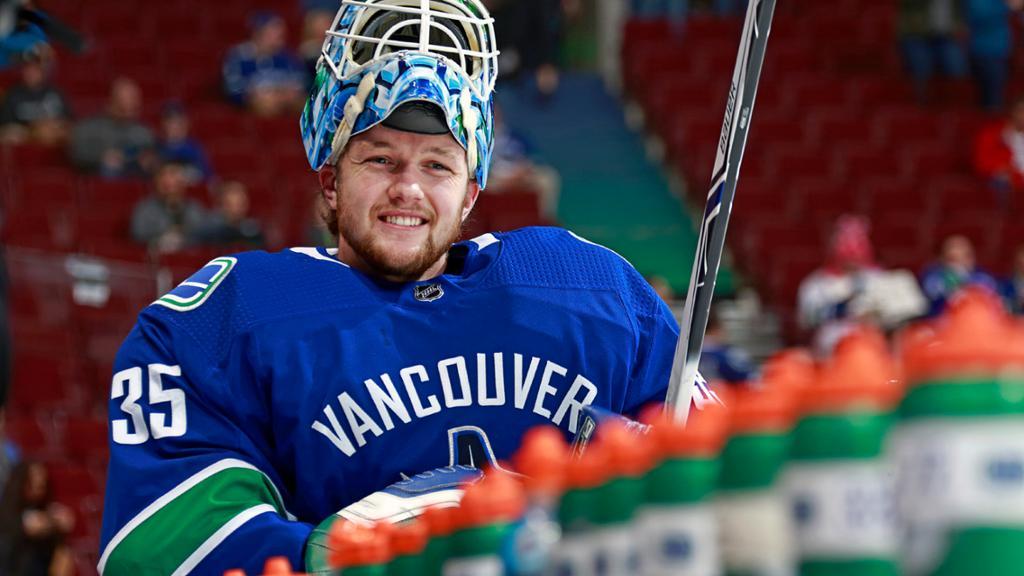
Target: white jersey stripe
219	536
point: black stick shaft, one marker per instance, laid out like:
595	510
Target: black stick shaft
715	219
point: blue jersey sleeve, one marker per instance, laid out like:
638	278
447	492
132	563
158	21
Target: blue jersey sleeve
191	484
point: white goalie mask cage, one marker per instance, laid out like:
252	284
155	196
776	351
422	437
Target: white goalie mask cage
459	30
380	54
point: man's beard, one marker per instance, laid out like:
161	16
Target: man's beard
378	259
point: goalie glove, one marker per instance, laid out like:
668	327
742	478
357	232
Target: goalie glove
398	502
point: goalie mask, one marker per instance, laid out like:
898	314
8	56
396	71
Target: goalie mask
404	63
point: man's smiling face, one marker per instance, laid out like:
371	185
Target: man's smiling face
400	199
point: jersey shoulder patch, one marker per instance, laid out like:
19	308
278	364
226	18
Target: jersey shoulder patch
198	288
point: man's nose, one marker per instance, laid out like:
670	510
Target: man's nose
405	187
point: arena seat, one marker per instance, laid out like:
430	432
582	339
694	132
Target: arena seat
85	440
40	382
24	429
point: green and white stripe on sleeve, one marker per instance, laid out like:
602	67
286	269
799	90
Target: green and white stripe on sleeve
179	529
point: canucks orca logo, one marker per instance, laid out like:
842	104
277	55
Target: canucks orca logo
191	293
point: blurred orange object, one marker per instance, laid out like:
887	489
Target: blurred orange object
498	497
703	434
860	372
975	337
409	537
353	544
630	453
542	459
761	410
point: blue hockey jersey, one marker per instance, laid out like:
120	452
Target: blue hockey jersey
268	391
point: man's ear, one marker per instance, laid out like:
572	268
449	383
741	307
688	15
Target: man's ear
472	194
328	176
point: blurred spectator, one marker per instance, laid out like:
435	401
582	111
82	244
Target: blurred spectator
33	525
999	152
989	47
177	146
330	6
262	74
530	36
34	109
231	224
513	170
168	220
10	454
928	38
851	289
955	269
1012	288
114	143
720	360
314	24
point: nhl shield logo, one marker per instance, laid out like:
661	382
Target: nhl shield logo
428	292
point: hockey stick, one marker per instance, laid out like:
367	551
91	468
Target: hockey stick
733	140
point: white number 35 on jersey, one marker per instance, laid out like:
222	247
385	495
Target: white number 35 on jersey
167	405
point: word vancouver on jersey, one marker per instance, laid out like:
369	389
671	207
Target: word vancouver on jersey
487	380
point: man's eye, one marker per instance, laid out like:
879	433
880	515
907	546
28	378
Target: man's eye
378	160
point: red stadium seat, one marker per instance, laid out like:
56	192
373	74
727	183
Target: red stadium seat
98	192
25	157
40	381
806	161
854	161
85	440
25	431
895	197
822	199
927	160
902	125
831	127
53	187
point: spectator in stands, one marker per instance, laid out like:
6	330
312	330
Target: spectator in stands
114	143
10	454
823	299
989	47
955	269
1012	288
176	145
999	152
262	74
34	110
168	220
231	224
851	289
530	33
313	26
720	360
33	526
928	38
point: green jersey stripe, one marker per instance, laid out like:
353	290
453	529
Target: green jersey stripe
219	536
191	504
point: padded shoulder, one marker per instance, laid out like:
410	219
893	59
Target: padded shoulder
559	259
